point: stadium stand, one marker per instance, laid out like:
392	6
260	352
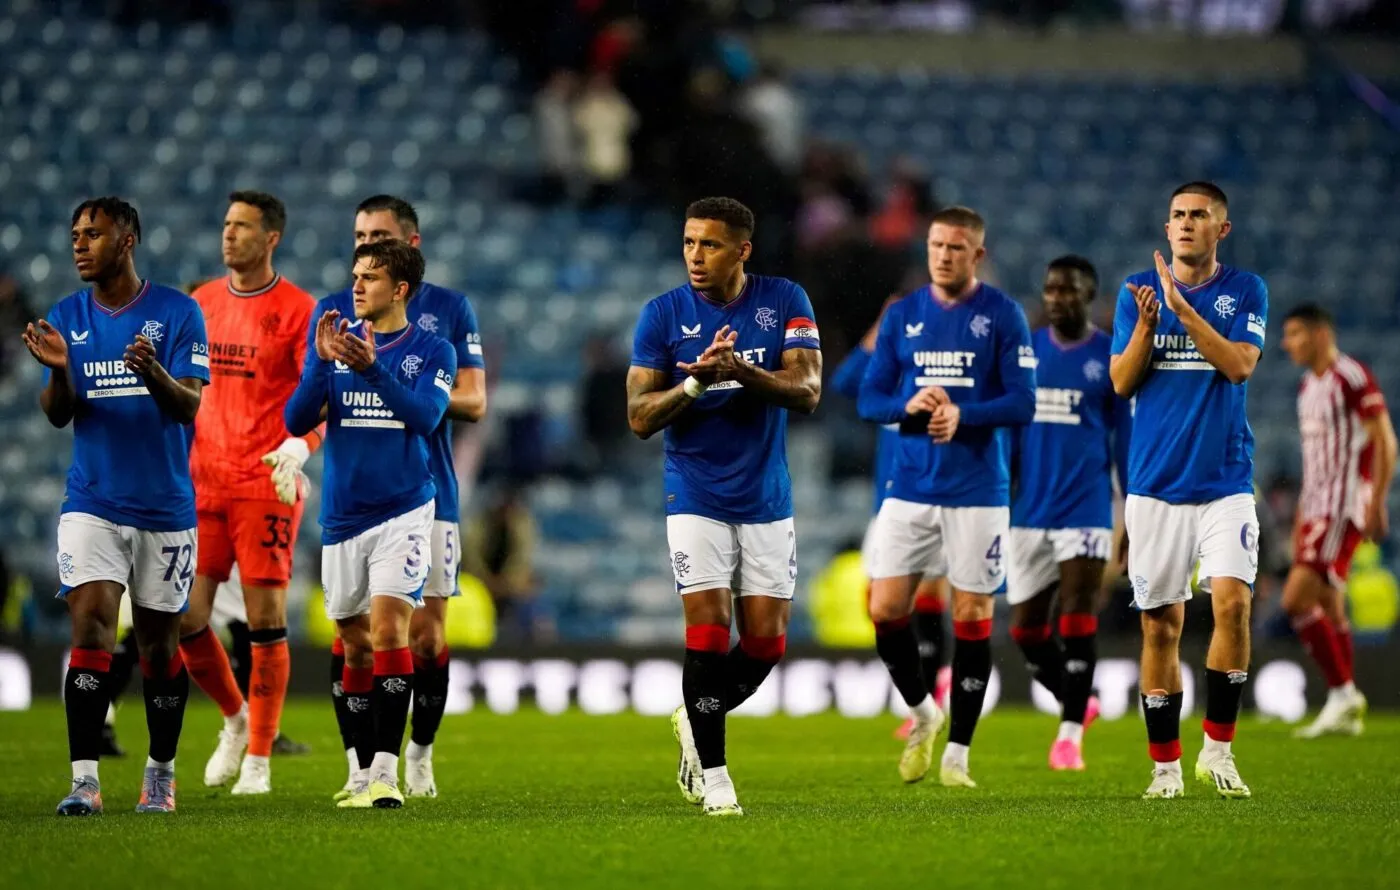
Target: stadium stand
174	118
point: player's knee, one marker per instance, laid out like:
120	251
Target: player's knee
1160	631
388	635
884	609
426	639
1078	598
191	624
158	651
972	607
1231	610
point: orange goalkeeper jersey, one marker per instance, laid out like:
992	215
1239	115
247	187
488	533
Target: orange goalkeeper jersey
257	342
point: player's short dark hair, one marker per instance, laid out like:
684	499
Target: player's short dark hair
1206	189
402	210
1311	315
961	217
733	214
401	260
1078	264
274	212
117	210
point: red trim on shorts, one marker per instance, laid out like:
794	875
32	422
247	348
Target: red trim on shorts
768	649
90	660
1165	752
974	630
393	662
1220	732
1029	636
707	638
1076	625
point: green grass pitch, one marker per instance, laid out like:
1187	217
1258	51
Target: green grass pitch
535	801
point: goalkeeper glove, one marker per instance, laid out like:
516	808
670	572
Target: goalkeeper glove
286	462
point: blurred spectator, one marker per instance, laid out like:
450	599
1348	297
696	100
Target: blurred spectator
499	550
15	314
554	128
775	109
605	121
603	406
902	219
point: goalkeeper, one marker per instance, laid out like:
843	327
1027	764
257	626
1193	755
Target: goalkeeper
249	487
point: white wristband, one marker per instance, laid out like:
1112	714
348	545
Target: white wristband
694	388
296	448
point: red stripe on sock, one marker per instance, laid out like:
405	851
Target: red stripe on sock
1029	636
393	662
707	638
356	681
442	657
1220	732
420	663
973	630
768	649
90	660
172	667
1165	752
889	627
929	605
338	647
1076	625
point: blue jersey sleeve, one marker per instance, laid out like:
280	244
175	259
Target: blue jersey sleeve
303	411
880	399
800	326
1122	437
1016	361
1252	316
420	404
189	353
847	376
1125	316
467	343
649	342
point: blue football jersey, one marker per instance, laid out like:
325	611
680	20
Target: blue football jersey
1081	431
846	381
378	427
1191	441
448	314
726	455
979	351
131	460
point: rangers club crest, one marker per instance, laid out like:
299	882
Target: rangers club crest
153	331
412	366
766	318
980	326
428	322
270	323
1093	369
1225	305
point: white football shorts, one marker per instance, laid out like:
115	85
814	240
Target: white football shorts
1036	554
937	567
447	556
156	568
967	541
392	559
758	559
1165	540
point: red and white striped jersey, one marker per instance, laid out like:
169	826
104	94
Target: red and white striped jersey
1336	454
